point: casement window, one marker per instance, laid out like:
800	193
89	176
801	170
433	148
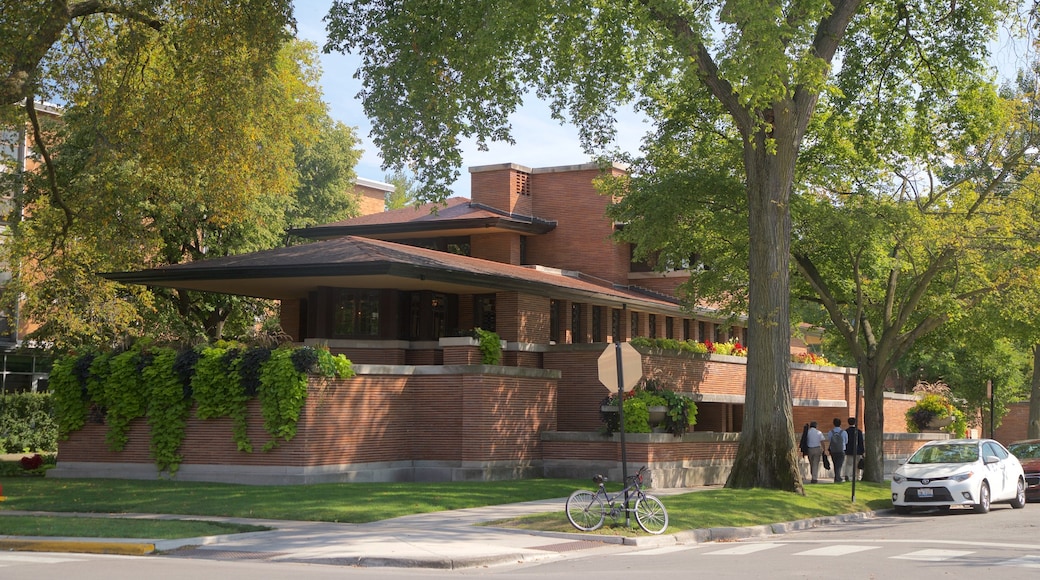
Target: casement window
554	321
576	334
484	311
597	325
355	313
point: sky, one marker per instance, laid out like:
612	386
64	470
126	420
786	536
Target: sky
540	140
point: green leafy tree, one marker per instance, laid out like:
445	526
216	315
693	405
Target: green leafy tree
969	353
326	168
741	68
195	141
917	230
404	190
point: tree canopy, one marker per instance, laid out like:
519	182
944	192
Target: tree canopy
741	76
199	134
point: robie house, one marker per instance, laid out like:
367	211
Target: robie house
530	257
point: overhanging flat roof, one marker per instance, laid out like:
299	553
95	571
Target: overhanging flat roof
356	262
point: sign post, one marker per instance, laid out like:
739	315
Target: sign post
620	368
992	401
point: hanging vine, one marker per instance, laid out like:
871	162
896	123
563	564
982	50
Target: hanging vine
163	384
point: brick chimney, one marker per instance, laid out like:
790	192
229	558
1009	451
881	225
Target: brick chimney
506	186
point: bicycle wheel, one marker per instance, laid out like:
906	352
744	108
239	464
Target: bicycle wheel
585	510
651	515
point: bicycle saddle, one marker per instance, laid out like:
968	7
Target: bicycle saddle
598	479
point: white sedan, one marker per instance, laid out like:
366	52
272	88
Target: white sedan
965	472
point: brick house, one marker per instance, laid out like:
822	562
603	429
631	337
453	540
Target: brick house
530	256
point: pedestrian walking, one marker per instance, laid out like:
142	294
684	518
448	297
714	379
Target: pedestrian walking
837	441
814	442
854	449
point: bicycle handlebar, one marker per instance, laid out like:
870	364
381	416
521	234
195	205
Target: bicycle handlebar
638	476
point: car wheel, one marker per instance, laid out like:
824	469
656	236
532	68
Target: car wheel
1020	496
983	505
903	509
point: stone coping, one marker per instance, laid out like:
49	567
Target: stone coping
434	370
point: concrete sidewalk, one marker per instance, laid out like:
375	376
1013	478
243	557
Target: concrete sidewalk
441	540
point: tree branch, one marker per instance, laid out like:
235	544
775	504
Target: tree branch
52	176
17	85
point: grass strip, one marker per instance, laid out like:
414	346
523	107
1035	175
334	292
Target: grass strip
89	527
721	508
332	502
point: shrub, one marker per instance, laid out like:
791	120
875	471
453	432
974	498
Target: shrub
27	423
490	346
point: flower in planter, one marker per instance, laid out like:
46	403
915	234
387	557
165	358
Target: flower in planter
935	405
680	411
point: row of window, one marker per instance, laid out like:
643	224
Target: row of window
704	329
431	315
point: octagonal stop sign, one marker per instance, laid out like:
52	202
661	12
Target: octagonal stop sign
631	367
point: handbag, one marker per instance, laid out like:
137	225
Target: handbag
826	462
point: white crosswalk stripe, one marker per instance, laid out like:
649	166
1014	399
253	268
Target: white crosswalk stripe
933	555
836	550
743	549
662	550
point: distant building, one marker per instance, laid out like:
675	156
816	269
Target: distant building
20	370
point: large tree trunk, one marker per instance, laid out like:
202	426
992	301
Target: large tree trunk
873	421
767	456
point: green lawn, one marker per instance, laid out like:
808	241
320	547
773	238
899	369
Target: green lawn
719	507
366	502
77	527
330	502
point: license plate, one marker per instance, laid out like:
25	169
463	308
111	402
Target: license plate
924	492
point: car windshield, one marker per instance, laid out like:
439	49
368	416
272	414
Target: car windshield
1025	450
949	453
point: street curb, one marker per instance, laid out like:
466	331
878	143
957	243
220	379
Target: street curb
424	563
121	548
142	547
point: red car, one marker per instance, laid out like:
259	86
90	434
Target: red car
1028	453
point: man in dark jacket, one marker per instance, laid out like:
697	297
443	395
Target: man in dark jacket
853	449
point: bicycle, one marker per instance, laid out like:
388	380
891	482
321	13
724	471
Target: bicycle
586	510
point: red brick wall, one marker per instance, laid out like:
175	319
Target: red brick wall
370	199
814	384
503	248
370	418
569	198
895	414
506	187
638	452
1014	426
580	390
372	356
659	283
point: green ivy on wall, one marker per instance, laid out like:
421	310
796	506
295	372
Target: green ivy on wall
168	409
71	401
162	384
219	392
